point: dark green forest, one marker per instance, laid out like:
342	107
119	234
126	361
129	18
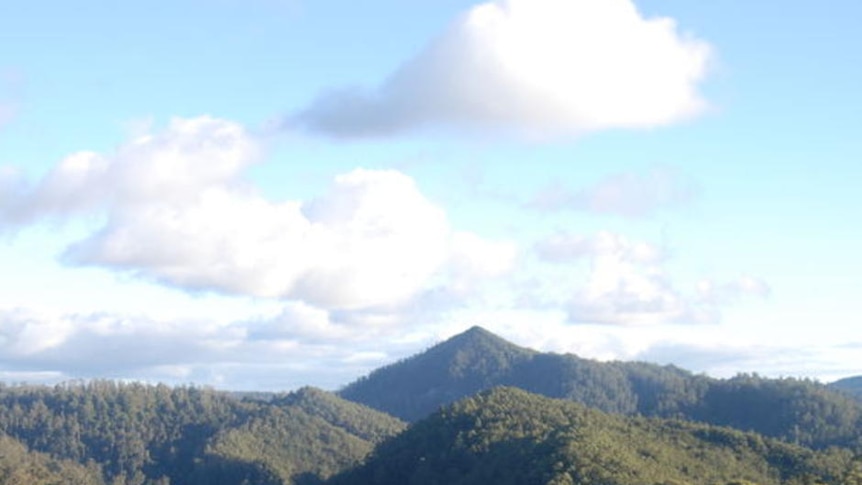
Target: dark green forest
557	419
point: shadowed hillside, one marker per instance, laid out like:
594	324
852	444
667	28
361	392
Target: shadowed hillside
850	385
463	365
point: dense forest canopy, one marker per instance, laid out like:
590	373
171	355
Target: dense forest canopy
140	434
509	436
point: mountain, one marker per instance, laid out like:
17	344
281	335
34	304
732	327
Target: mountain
798	411
463	365
136	434
508	436
851	385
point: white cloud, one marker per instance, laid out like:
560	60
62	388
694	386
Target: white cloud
628	194
536	67
24	332
723	357
627	283
173	167
373	239
178	210
474	259
302	345
564	247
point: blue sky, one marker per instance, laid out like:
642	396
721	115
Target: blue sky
271	193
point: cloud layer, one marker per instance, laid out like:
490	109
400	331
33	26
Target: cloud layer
296	347
539	68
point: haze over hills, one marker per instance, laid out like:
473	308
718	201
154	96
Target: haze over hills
799	411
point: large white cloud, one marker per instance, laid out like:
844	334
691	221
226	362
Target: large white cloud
536	67
179	211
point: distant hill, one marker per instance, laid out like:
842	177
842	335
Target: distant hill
851	385
134	434
798	411
508	436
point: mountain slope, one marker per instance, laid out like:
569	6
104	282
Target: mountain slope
301	438
850	385
799	411
359	420
508	436
18	465
458	367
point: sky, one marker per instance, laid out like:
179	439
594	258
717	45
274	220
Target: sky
265	194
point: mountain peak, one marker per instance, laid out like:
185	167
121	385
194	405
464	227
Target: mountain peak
466	363
477	335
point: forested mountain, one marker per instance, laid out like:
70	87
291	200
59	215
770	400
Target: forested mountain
508	436
798	411
459	367
158	435
851	385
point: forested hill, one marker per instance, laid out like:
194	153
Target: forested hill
20	466
461	366
508	436
851	385
797	411
134	434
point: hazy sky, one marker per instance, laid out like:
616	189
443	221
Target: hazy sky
261	194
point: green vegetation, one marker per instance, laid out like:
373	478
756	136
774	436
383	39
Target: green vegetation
19	466
158	435
459	367
302	438
508	436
